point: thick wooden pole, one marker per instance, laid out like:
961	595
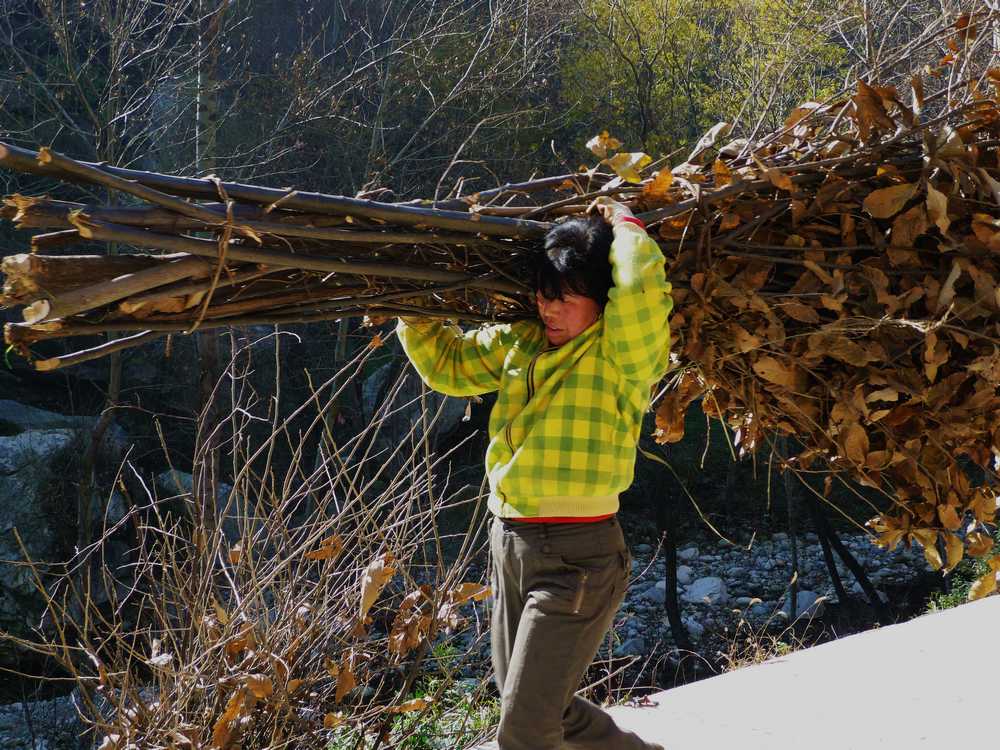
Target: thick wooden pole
30	277
110	233
90	297
24	160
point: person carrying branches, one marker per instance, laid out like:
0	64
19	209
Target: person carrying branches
572	389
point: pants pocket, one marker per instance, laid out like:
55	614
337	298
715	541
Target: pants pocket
598	578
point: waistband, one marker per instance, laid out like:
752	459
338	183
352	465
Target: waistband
553	527
562	519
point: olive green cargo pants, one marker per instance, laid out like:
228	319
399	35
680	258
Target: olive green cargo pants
556	589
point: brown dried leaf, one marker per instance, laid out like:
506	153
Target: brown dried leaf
966	31
949	517
658	188
869	112
331	667
801	313
780	179
329	549
416	704
220	613
627	165
465	592
378	573
909	226
670	413
801	113
917	84
954	551
333	720
937	208
840	348
980	544
887	202
260	685
222	733
600	144
936	353
745	341
774	371
729	221
723	175
987	583
856	443
928	540
346	679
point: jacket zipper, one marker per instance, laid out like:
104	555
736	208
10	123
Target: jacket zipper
531	370
531	392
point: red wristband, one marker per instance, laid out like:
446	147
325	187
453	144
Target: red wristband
630	220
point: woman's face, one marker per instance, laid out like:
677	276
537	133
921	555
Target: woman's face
567	317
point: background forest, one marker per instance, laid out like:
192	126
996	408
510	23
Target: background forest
203	465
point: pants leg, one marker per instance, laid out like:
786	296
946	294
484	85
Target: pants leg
507	604
557	589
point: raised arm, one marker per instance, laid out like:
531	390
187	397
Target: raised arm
636	327
454	362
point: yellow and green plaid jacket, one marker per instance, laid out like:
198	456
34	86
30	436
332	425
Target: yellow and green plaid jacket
564	429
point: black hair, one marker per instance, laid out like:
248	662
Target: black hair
575	259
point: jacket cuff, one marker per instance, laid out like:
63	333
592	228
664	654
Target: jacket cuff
630	220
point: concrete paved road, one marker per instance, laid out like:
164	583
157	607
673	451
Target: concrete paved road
930	682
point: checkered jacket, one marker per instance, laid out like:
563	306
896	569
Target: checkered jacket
564	428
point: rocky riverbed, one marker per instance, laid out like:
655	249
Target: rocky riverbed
720	583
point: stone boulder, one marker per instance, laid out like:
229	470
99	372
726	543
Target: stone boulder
808	605
16	417
39	468
31	501
41	725
684	575
707	590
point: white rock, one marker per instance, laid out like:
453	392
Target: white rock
710	590
694	628
656	594
807	605
684	575
688	553
636	645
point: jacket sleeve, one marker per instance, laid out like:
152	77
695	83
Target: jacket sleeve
636	326
454	362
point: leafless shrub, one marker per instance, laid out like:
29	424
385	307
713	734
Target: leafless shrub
305	605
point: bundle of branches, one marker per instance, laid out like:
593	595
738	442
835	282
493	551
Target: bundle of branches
247	255
835	281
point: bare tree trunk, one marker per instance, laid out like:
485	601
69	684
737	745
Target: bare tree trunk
831	566
791	494
666	527
882	613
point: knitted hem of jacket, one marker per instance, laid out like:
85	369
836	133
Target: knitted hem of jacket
555	506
